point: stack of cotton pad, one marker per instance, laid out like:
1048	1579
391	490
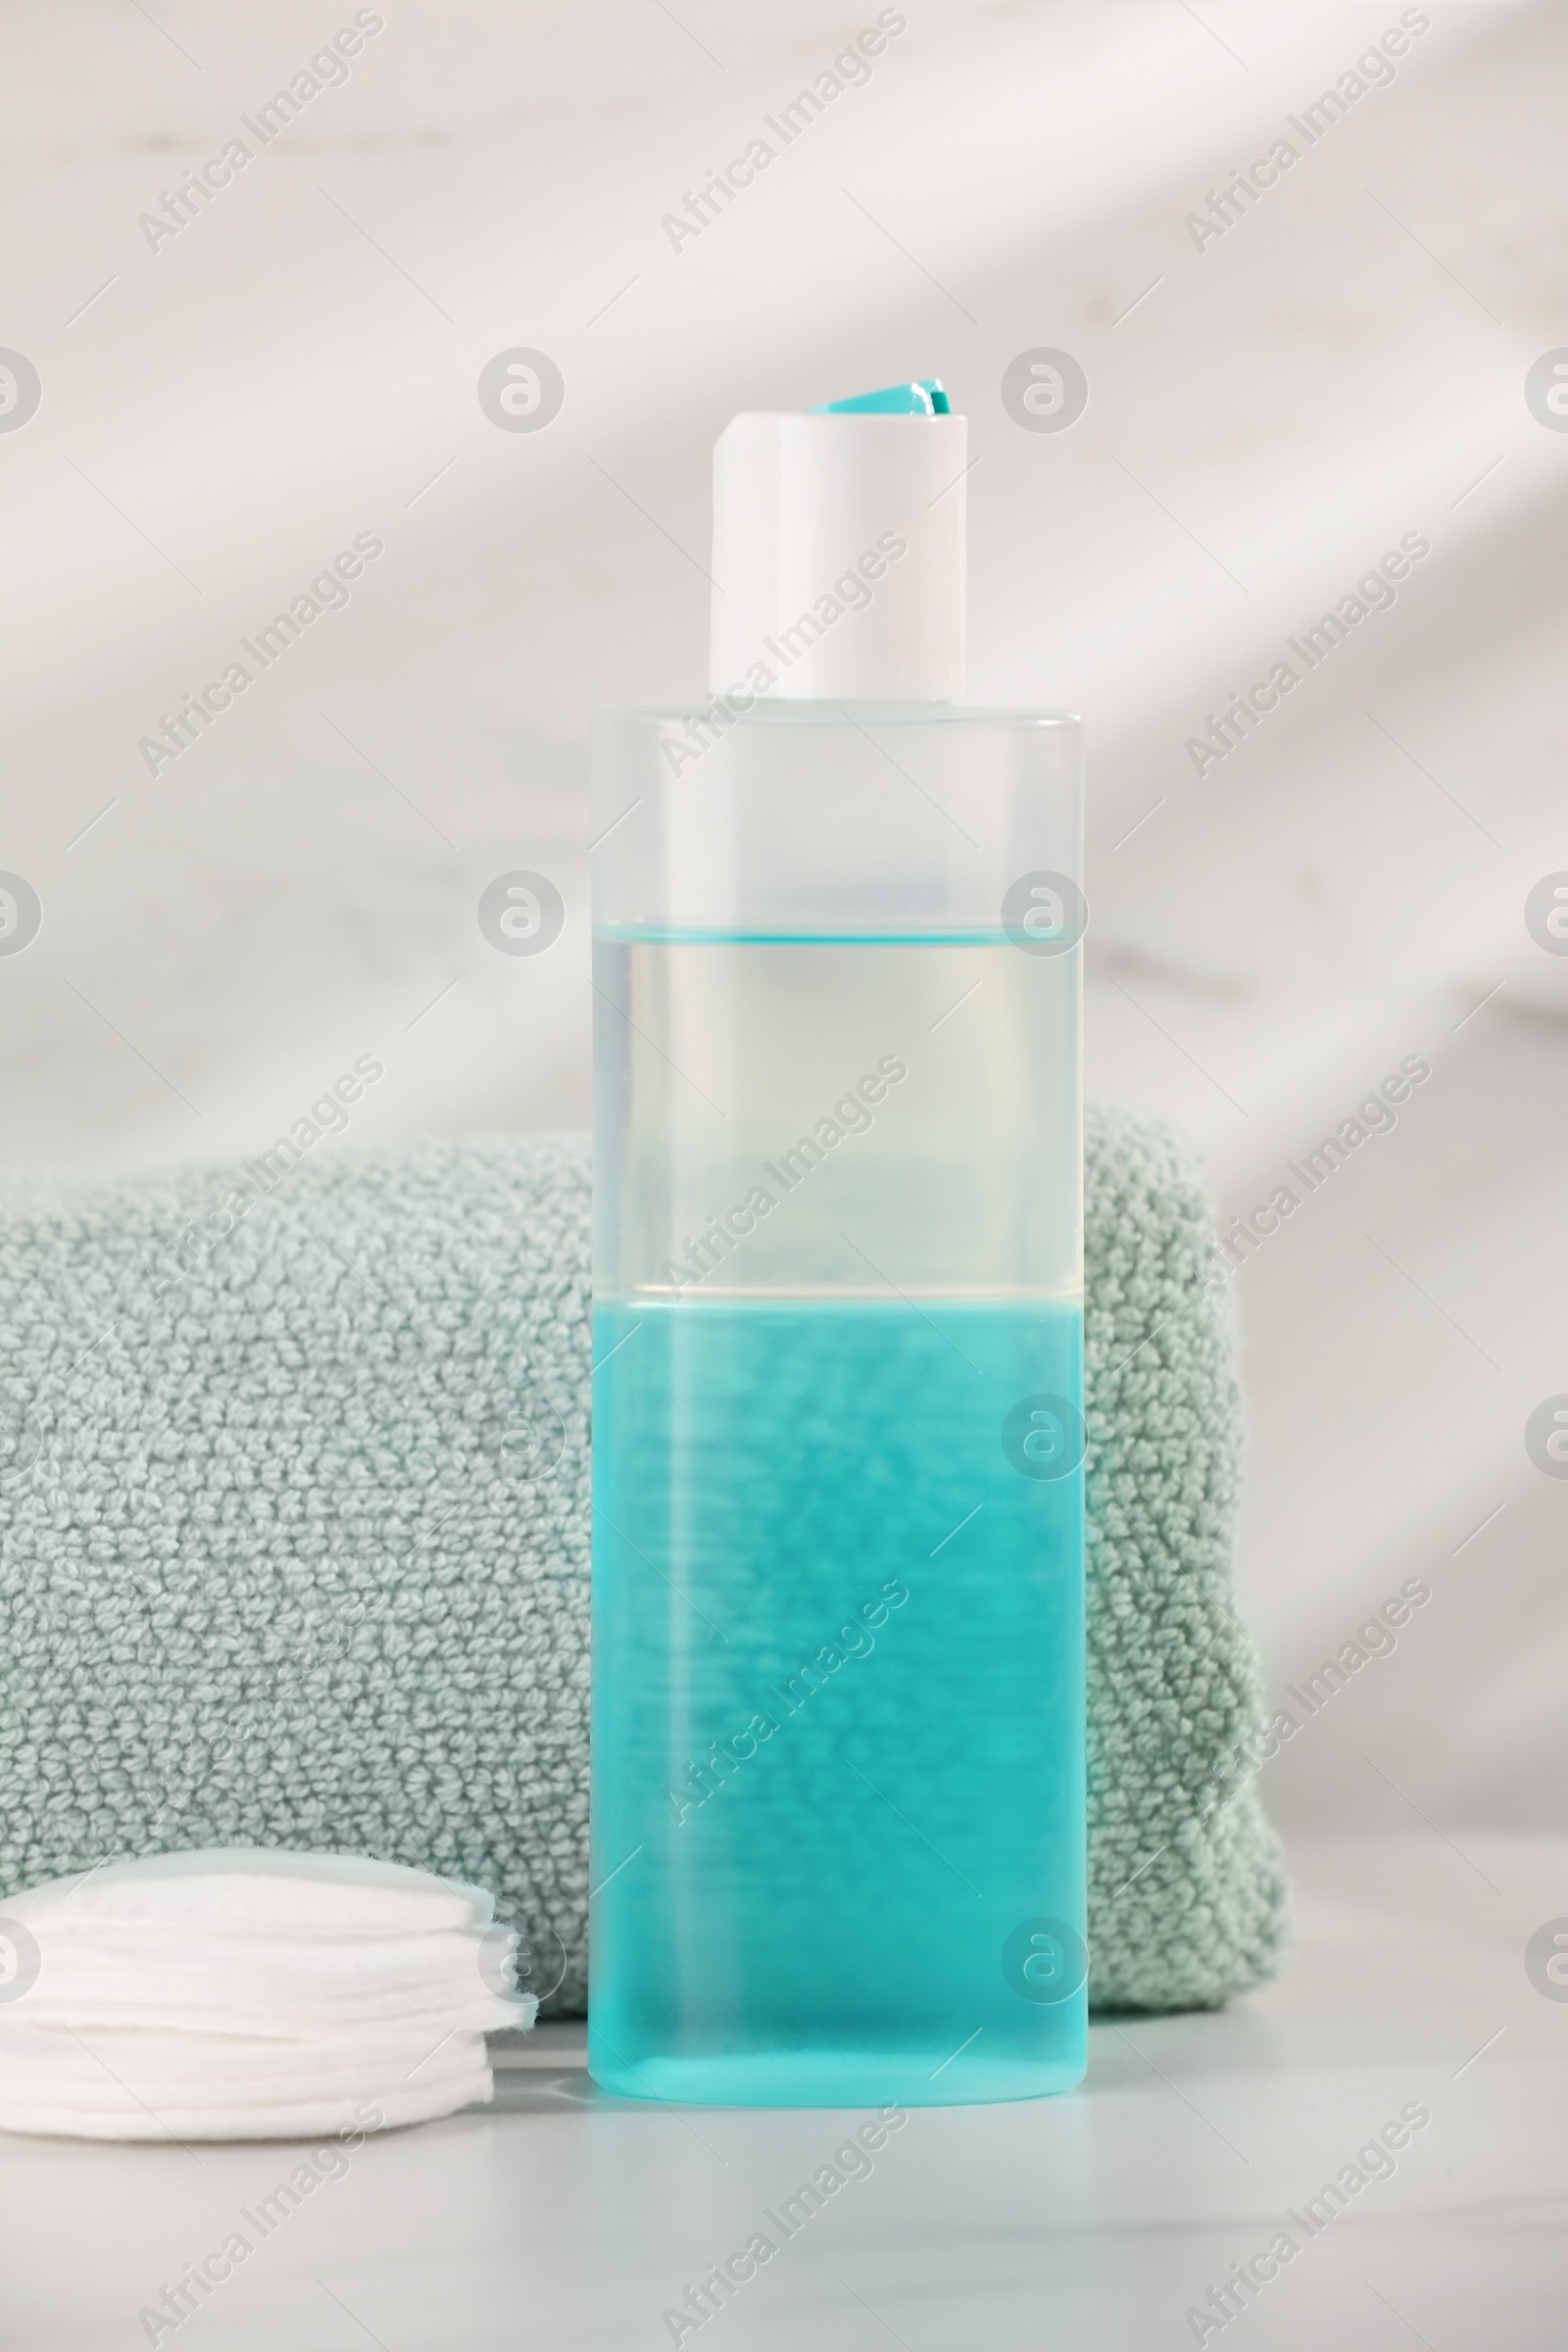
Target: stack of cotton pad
246	1993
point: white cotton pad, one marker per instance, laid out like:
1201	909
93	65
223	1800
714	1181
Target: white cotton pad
260	1889
180	1977
148	2086
250	1993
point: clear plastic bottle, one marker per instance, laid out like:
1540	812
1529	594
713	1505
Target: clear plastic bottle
838	1803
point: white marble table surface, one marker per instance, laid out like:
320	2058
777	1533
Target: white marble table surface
562	2218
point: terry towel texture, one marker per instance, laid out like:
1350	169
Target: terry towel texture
294	1540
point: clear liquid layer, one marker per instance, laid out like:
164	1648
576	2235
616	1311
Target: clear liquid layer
838	1710
836	1115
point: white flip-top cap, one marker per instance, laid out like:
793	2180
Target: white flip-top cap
838	554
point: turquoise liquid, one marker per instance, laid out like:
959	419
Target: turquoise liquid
837	1700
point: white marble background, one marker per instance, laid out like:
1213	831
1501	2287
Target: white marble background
220	414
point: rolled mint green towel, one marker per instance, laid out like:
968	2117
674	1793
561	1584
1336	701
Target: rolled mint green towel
294	1540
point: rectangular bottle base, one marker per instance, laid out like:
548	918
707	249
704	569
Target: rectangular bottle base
833	2077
